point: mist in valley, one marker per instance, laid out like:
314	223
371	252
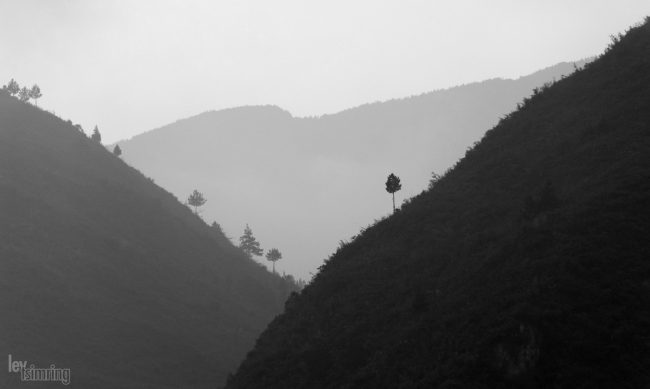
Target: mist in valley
250	194
306	184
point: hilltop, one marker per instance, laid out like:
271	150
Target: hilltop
323	172
105	273
526	265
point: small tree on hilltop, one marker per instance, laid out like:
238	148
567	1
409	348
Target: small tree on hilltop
249	244
35	93
273	255
23	95
12	87
117	150
217	228
196	200
434	179
393	185
96	136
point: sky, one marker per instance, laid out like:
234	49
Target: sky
131	66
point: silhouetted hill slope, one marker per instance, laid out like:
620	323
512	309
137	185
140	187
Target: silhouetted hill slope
319	170
107	274
527	265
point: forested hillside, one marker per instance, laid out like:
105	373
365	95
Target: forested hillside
107	274
527	265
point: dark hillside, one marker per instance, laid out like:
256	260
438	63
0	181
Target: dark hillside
107	274
527	265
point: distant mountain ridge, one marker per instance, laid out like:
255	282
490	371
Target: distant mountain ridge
530	81
107	274
305	183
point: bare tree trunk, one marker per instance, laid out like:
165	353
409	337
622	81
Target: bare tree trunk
273	267
393	202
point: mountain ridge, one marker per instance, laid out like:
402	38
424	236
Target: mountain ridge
540	76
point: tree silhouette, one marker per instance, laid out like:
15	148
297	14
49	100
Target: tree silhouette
216	227
435	177
117	150
249	244
393	185
23	95
12	87
96	136
79	128
196	200
273	255
35	93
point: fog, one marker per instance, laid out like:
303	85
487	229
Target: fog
288	194
130	66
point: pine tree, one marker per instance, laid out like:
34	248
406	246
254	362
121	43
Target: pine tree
12	87
249	244
96	136
117	150
217	228
273	255
434	180
393	185
23	95
35	93
196	200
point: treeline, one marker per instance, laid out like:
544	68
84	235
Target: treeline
247	242
24	94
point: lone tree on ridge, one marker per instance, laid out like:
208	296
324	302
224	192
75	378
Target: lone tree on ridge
393	185
273	255
196	200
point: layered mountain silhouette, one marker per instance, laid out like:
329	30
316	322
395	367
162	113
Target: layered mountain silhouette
526	265
107	274
304	184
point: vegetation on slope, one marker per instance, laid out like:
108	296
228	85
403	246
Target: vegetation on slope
107	274
524	266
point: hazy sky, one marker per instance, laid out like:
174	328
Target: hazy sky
130	66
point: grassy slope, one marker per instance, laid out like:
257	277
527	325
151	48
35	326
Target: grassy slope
463	288
105	273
